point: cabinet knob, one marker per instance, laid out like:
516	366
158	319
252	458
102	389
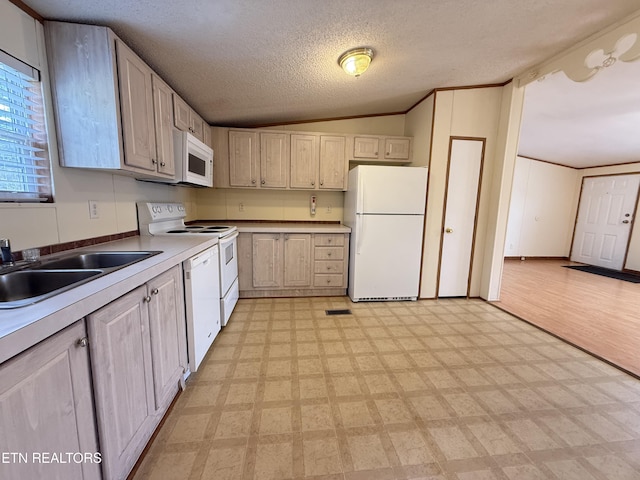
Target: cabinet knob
262	181
328	254
313	184
162	164
154	161
321	182
253	181
375	153
154	291
146	299
82	342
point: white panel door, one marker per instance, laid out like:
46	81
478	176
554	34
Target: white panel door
465	165
604	220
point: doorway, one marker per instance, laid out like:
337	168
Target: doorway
604	221
459	222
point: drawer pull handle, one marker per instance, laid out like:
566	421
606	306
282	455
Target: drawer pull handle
146	299
328	254
82	342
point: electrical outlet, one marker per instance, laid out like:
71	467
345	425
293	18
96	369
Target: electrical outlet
329	208
241	207
93	209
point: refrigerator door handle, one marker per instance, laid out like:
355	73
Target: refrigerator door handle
360	205
359	234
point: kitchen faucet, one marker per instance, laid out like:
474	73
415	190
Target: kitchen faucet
5	248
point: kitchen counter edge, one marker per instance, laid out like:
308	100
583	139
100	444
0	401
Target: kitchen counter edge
23	327
292	228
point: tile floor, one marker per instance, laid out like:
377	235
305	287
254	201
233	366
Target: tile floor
453	389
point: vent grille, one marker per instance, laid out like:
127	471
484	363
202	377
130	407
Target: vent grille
345	311
384	299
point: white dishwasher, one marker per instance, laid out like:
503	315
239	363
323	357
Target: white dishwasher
202	301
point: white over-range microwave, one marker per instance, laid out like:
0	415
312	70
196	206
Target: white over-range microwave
193	160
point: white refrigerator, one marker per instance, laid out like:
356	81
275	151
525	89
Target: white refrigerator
384	206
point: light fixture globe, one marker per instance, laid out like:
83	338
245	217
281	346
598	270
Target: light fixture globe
354	62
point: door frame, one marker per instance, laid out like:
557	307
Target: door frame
633	220
444	210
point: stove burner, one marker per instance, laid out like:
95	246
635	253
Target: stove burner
216	228
177	231
197	227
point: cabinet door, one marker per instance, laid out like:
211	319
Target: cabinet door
196	124
297	260
163	115
397	148
46	406
243	158
267	260
168	335
274	160
333	163
123	381
304	161
181	114
206	134
366	147
136	104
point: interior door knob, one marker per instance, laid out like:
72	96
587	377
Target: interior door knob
448	230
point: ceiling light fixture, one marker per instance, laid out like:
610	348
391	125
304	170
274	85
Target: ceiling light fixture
356	61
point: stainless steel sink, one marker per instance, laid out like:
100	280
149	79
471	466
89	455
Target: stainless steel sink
29	286
92	260
30	283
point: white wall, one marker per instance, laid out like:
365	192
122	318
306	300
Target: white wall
473	113
29	225
543	209
418	124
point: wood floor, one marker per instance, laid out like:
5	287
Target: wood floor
598	314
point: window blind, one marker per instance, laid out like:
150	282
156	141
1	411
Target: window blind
25	174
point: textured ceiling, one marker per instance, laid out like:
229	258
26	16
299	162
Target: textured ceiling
584	124
252	62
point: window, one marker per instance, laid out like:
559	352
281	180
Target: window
25	174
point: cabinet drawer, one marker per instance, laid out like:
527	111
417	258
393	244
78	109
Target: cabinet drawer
328	267
327	239
328	280
329	253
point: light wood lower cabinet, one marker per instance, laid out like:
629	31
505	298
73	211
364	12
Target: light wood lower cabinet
138	354
46	407
292	264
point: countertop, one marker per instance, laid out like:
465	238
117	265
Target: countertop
23	327
290	227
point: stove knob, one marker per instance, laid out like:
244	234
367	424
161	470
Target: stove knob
169	208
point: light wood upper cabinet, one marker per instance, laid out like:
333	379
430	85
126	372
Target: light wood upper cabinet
380	149
304	161
186	119
274	160
297	260
136	103
46	406
163	116
110	112
333	163
267	260
366	147
243	158
397	148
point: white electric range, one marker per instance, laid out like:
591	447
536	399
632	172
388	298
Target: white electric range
167	219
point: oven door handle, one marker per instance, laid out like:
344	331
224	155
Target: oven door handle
228	239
